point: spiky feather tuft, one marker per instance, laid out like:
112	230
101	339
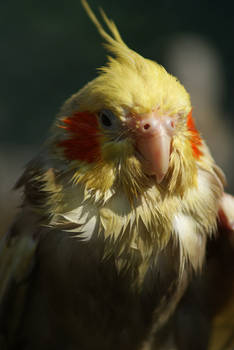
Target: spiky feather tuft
114	43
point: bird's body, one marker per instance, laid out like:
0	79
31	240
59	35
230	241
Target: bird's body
117	210
122	287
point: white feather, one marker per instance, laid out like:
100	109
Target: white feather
192	243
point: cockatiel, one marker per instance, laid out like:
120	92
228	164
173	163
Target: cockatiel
116	213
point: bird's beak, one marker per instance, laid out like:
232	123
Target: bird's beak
153	135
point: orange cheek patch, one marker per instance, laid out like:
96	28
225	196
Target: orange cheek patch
83	137
195	140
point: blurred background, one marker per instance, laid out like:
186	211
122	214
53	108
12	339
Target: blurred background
50	49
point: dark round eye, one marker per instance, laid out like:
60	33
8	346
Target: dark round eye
107	119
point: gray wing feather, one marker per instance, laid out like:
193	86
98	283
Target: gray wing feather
17	257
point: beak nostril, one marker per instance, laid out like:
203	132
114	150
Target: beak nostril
146	126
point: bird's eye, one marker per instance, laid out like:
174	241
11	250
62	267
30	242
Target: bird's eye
107	119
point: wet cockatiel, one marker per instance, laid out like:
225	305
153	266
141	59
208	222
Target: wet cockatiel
117	209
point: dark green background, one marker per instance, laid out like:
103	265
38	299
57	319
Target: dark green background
49	49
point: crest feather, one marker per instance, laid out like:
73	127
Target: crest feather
114	42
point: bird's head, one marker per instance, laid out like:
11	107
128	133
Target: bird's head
132	125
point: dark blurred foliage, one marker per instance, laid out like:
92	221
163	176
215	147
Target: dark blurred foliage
49	49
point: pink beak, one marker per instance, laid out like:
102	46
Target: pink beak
153	141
